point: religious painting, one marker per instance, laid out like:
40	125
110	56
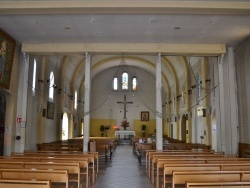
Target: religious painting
7	49
145	116
50	110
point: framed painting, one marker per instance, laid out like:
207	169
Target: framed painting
144	116
7	49
50	110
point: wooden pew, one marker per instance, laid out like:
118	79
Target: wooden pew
72	167
77	168
150	153
225	164
141	149
217	184
77	157
104	150
185	146
24	184
152	166
169	168
55	176
180	177
152	156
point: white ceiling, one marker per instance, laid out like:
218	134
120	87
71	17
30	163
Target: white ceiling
127	28
26	22
111	27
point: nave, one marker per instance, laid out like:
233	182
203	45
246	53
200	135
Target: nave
124	171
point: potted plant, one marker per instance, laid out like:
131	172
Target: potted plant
143	128
102	128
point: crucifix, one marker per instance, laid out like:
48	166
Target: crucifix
125	105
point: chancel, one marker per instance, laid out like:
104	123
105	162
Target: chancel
180	68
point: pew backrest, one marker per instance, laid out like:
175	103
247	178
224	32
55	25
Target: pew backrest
24	184
217	184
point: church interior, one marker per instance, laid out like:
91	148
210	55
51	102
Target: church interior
155	76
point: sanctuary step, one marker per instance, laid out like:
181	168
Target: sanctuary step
124	142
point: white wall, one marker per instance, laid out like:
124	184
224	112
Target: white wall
104	100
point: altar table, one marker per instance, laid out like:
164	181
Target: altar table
124	133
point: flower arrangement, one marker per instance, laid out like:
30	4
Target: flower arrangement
124	124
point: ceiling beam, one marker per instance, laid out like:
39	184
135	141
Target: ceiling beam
121	48
120	7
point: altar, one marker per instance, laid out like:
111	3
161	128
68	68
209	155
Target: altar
124	133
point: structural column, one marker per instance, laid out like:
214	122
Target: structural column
22	103
87	91
228	109
159	145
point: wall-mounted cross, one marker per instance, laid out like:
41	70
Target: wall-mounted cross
125	105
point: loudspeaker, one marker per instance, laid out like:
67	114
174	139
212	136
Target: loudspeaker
204	112
44	113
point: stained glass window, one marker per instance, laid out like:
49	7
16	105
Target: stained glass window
134	84
124	81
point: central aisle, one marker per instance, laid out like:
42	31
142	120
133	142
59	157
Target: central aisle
124	171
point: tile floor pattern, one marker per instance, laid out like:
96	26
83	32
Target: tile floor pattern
124	171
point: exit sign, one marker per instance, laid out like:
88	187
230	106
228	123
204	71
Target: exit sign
18	120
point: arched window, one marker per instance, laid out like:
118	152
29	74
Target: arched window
65	127
75	99
34	77
115	84
134	84
51	86
124	81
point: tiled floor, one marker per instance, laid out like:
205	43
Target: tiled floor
124	171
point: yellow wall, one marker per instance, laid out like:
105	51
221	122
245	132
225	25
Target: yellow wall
150	130
95	127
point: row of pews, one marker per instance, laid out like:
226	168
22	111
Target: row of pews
60	164
105	146
140	149
196	168
60	169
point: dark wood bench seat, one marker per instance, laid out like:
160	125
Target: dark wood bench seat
179	178
24	184
217	184
58	178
